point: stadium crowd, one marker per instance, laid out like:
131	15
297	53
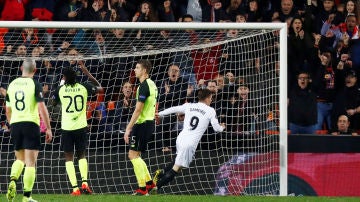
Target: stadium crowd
323	59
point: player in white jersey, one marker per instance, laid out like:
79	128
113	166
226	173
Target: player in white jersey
197	118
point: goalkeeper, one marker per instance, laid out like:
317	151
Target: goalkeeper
73	98
197	119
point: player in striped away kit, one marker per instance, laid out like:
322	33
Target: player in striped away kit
197	118
73	98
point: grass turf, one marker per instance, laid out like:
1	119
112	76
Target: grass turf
178	198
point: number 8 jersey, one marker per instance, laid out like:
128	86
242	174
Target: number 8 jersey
22	96
73	99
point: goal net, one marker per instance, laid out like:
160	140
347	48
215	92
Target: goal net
240	63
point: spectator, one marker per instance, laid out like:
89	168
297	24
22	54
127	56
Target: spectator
348	100
235	7
240	18
212	86
286	11
325	87
183	58
41	10
172	90
240	115
30	37
350	8
13	10
300	43
146	13
67	10
194	9
124	107
121	9
322	14
97	122
166	13
222	89
254	12
12	67
302	107
345	31
206	60
343	127
99	45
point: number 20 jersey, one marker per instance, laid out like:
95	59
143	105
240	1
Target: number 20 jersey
73	104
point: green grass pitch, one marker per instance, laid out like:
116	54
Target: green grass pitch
178	198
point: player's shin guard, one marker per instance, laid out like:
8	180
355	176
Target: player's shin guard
146	171
16	170
139	171
168	177
29	180
70	170
83	167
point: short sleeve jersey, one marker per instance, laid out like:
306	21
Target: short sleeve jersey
73	101
22	96
147	93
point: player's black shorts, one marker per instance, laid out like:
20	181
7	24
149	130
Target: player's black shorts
25	135
140	135
78	138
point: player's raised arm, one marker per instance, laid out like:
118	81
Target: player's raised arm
90	76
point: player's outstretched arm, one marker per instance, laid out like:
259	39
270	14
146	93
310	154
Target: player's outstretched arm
172	110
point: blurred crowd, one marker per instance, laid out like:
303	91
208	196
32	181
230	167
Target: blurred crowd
323	59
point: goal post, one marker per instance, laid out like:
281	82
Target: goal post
250	48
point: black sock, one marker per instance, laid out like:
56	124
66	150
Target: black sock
169	167
27	194
168	177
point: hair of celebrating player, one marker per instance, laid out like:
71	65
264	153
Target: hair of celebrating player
204	93
146	64
29	65
70	76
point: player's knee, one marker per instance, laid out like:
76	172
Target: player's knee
133	154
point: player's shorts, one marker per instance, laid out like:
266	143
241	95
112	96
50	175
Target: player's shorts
141	135
26	135
184	154
74	138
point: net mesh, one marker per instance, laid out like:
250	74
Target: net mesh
242	64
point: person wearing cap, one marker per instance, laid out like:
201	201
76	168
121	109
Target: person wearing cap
348	100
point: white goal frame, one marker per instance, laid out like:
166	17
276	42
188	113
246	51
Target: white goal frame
205	26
